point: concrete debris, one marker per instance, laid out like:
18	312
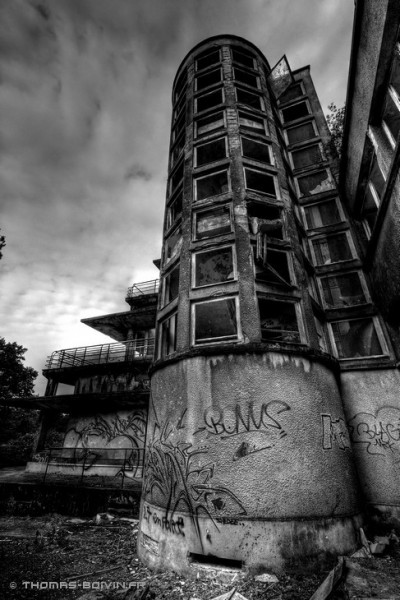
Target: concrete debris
330	582
231	595
377	548
361	553
266	578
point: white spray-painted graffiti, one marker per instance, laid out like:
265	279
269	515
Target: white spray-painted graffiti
379	432
334	431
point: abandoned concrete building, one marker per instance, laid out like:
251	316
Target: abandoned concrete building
272	344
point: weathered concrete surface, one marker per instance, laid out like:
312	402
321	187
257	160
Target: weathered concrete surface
247	446
372	407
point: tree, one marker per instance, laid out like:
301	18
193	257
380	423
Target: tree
15	379
18	425
335	122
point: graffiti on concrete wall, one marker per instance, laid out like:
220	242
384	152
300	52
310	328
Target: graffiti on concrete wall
334	433
239	419
179	477
111	382
379	433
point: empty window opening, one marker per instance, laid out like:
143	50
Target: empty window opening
250	122
173	244
260	182
343	290
180	84
391	117
207	58
265	219
376	178
178	148
315	183
278	321
210	123
370	210
356	338
245	97
245	77
213	266
256	150
209	100
212	185
177	177
307	156
210	78
300	133
215	320
322	214
171	285
332	249
210	152
179	106
174	211
292	92
297	111
213	222
271	265
243	57
210	559
168	336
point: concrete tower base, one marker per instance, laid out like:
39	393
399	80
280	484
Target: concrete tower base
248	460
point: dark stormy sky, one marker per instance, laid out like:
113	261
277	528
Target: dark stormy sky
85	88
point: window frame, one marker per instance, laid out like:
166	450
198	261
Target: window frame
167	274
314	126
172	315
198	135
264	172
169	223
319	203
261	131
245	53
219	340
306	147
257	86
210	108
262	143
206	53
303	93
249	106
281	109
210	209
298	313
196	253
303	175
208	174
340	274
204	143
350	241
204	74
379	333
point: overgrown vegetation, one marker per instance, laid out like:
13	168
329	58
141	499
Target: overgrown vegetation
335	122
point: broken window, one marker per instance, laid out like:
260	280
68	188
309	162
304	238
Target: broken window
256	150
242	56
209	78
245	97
342	290
265	219
322	214
179	106
179	126
177	150
215	320
173	244
168	329
258	181
315	183
209	100
245	77
292	92
171	285
210	152
270	264
278	321
174	210
207	58
296	111
300	133
250	122
322	339
306	156
176	177
209	223
213	266
211	185
356	338
210	123
332	249
180	84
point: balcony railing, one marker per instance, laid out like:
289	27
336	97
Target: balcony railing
144	288
128	351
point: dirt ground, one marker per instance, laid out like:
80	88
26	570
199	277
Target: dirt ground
67	558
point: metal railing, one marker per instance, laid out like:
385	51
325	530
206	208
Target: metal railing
144	288
86	461
128	351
